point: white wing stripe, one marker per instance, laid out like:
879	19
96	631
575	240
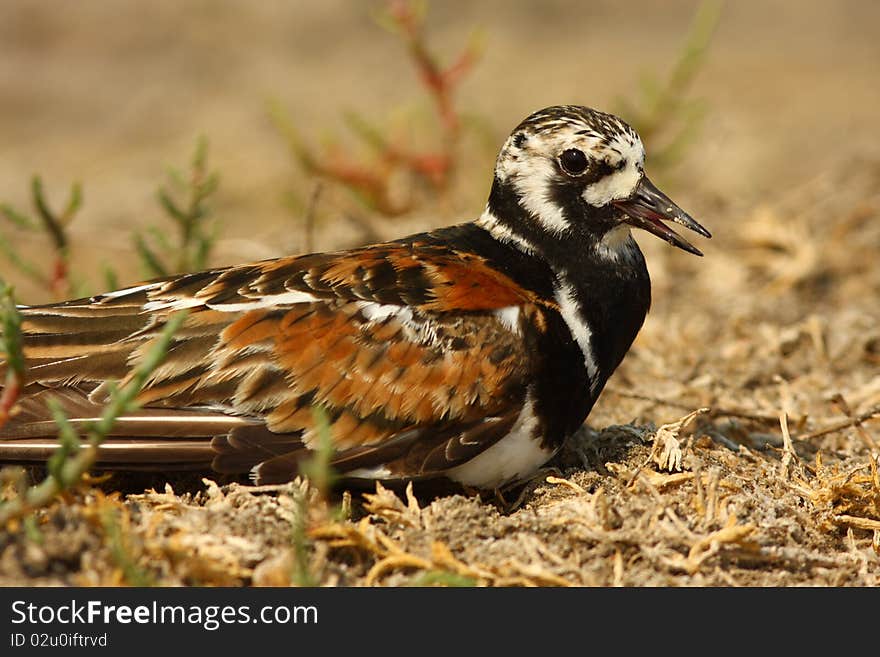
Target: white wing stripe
269	301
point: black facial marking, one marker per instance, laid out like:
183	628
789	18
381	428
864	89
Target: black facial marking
602	169
519	140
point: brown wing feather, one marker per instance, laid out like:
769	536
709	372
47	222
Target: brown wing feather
400	344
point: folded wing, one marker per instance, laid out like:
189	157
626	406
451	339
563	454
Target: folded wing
416	353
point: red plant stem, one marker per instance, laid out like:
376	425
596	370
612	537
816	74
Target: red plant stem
58	282
11	391
432	166
438	82
362	179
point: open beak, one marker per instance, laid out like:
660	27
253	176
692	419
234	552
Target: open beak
648	208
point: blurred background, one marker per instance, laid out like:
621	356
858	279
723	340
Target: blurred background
111	94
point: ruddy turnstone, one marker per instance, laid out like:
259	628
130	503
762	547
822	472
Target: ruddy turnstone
470	352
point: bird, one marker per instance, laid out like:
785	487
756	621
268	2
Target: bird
467	354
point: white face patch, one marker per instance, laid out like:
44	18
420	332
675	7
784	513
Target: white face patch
620	184
528	164
533	188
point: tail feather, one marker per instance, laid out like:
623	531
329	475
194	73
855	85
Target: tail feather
72	349
149	438
120	453
244	448
105	364
78	341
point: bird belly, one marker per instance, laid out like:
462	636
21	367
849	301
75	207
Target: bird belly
514	457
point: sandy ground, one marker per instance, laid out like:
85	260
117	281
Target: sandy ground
779	318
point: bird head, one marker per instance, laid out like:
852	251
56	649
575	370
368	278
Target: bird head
573	169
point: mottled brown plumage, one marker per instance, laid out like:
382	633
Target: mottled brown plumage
469	352
376	378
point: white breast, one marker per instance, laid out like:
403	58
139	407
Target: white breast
514	457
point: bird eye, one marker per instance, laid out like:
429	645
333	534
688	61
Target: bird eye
573	161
